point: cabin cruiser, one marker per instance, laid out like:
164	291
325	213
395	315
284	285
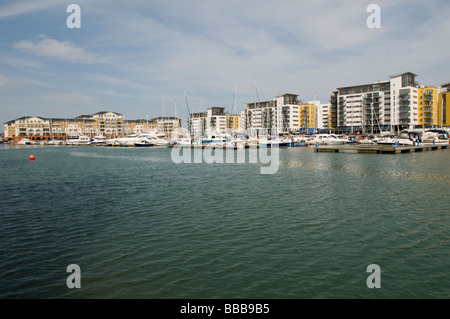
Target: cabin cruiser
408	138
214	140
78	140
327	139
387	140
128	140
183	141
99	140
147	139
25	141
145	143
404	138
55	142
435	137
365	140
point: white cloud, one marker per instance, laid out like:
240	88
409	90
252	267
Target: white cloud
50	48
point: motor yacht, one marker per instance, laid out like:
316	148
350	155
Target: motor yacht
327	139
78	140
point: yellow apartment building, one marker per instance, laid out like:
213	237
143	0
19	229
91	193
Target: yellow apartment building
233	122
307	117
444	106
428	106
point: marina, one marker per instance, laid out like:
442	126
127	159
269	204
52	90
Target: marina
386	144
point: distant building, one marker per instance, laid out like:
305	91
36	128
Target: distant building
166	125
233	122
428	107
382	105
197	124
102	123
280	115
444	105
214	120
307	118
108	123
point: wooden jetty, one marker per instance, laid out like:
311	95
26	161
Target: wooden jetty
379	149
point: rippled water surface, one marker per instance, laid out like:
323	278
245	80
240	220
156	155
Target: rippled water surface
141	226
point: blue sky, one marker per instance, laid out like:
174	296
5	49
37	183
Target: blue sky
132	57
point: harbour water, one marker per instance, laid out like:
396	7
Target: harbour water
141	226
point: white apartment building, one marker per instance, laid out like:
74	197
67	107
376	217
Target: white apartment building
280	115
404	100
214	120
378	106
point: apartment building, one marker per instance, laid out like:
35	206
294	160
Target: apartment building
276	116
40	128
375	107
214	120
444	105
428	107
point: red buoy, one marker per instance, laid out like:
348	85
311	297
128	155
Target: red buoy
31	157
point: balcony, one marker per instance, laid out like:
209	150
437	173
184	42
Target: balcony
404	103
403	109
405	115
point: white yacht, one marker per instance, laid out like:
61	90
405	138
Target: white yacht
55	142
435	137
408	138
128	140
183	141
387	140
326	139
111	142
99	140
365	139
154	139
214	140
78	140
24	141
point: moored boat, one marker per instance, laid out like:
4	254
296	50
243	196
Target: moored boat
79	140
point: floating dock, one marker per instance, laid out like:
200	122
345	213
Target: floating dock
378	149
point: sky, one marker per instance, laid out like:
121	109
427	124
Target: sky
139	57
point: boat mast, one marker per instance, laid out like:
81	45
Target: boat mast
315	113
234	115
188	114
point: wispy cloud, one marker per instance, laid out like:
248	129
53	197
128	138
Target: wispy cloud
24	64
50	48
70	98
23	7
17	84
